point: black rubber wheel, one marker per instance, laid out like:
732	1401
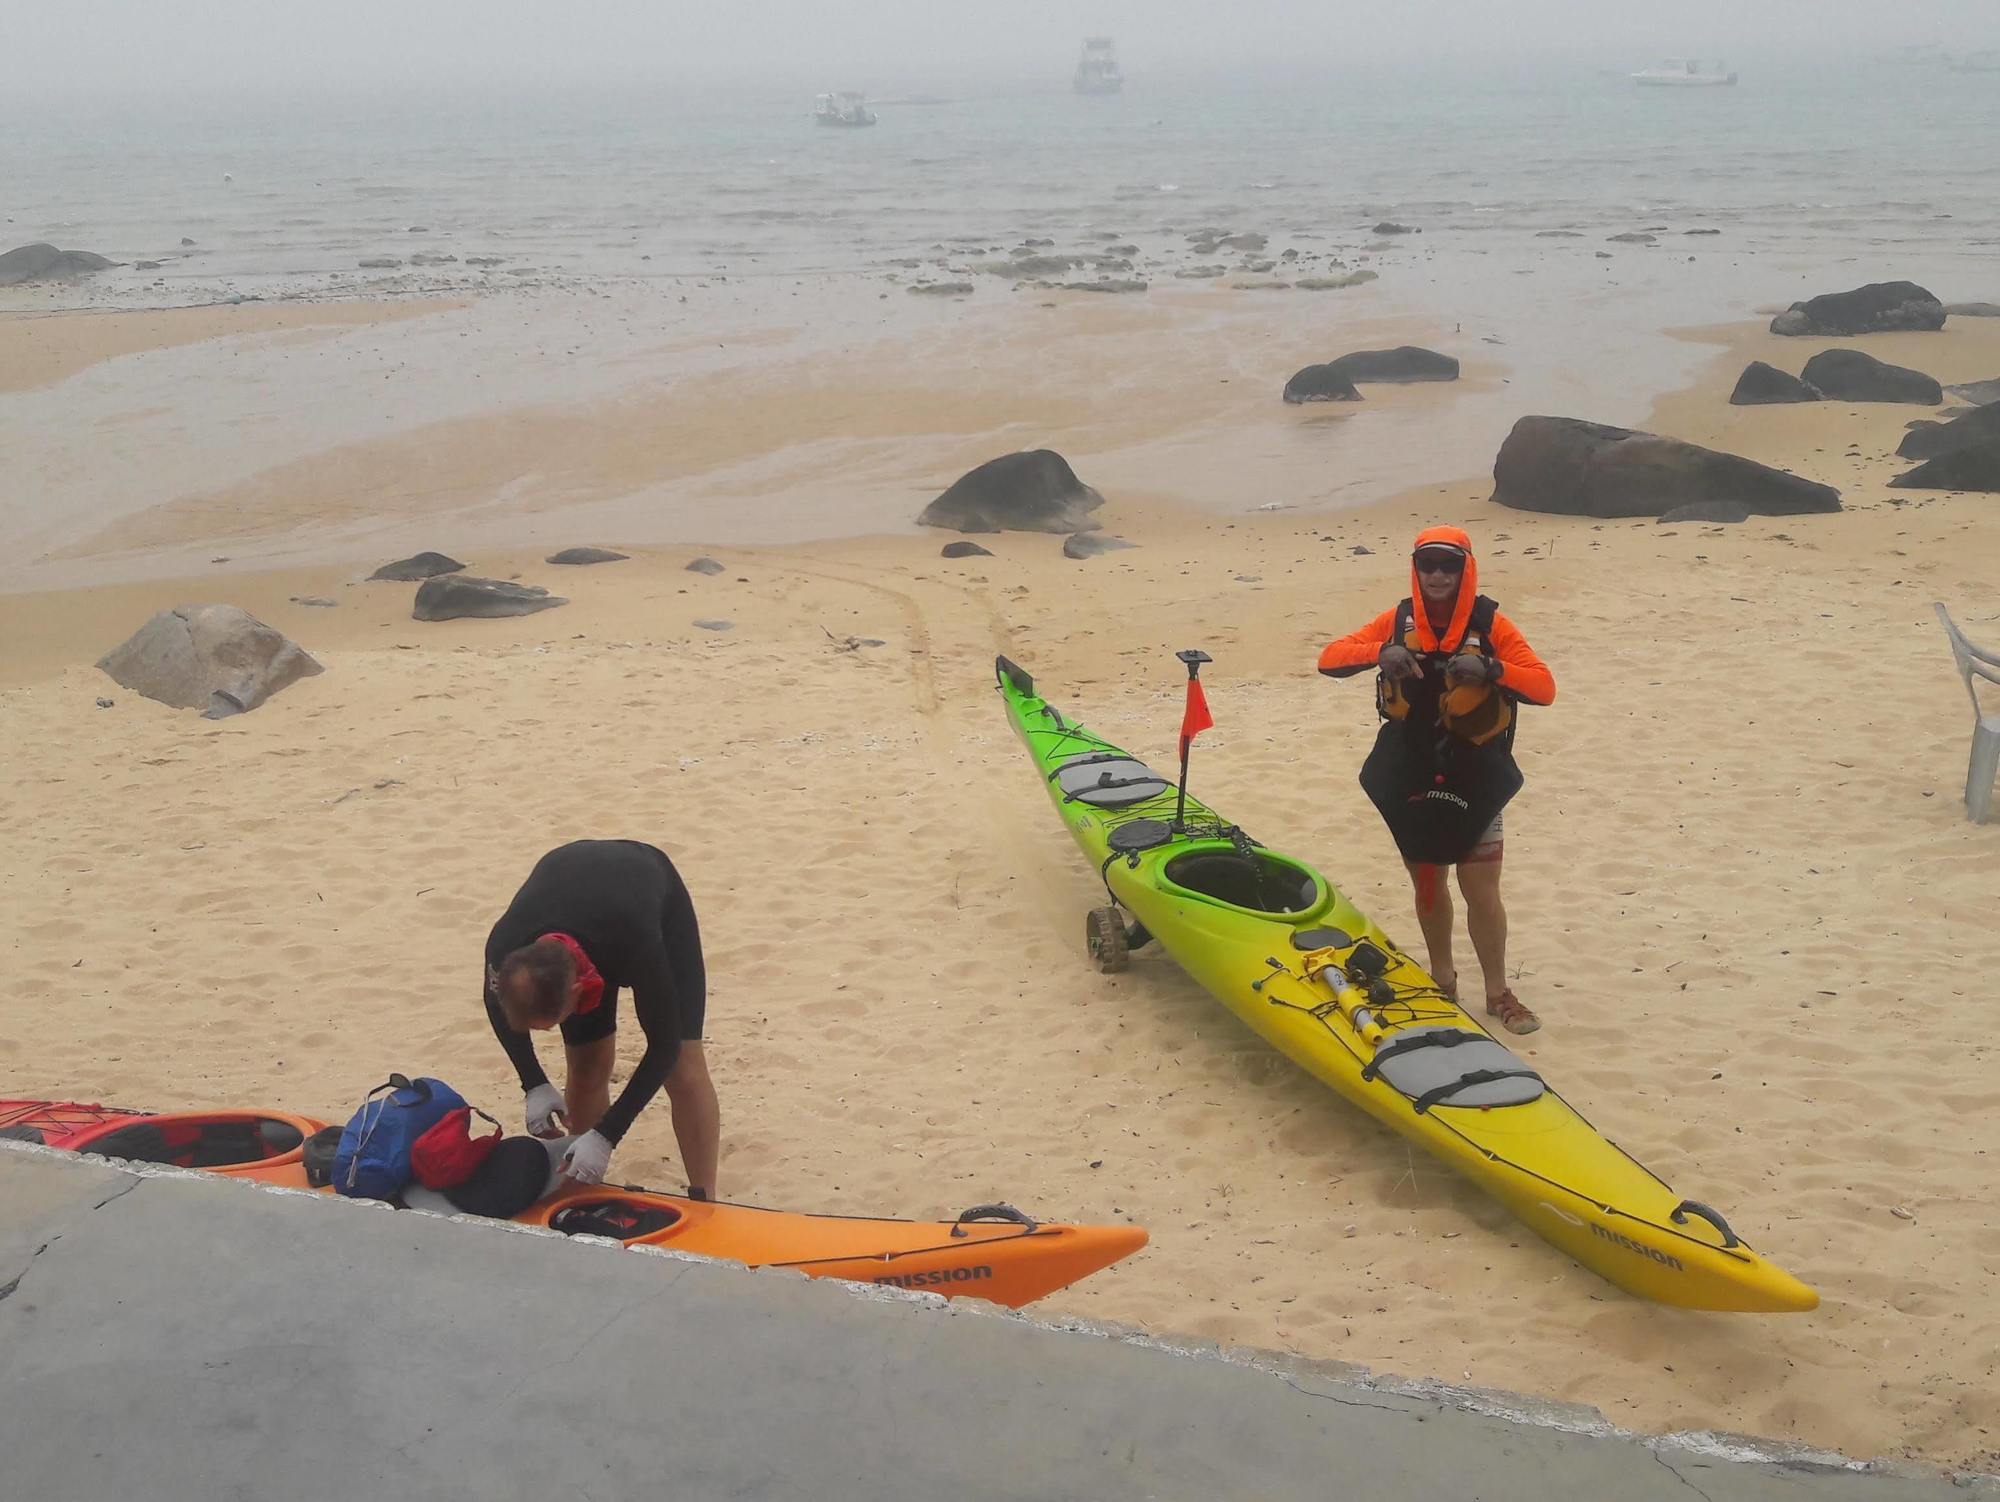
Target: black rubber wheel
1104	935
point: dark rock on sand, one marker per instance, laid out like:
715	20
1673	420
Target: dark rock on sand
1090	544
941	289
1973	309
452	596
44	263
1927	440
580	556
1851	376
1765	385
147	265
1320	383
1979	393
1201	273
1558	234
1033	491
215	658
1405	363
705	566
1104	286
1244	242
1633	237
485	260
712	625
1574	468
1708	511
320	601
1028	267
381	263
1390	227
1333	283
417	566
964	550
1974	467
1876	308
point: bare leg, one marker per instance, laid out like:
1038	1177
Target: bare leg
697	1116
587	1089
1486	921
1434	917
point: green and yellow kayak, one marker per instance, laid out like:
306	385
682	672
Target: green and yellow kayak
1279	945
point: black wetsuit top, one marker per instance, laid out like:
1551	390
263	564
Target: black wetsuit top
624	903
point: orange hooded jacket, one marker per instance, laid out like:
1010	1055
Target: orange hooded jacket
1522	673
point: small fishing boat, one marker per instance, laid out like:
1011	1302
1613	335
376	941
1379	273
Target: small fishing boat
1684	73
846	107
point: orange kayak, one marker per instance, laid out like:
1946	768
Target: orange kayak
990	1252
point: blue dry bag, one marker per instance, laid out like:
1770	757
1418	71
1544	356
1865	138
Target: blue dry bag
373	1159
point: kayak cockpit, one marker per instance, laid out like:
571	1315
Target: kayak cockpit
1259	881
215	1140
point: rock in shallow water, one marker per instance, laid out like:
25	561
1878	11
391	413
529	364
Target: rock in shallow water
1876	308
1573	468
1033	491
44	263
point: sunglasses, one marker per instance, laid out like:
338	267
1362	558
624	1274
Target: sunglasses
1440	563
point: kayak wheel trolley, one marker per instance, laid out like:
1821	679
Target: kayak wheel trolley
1110	940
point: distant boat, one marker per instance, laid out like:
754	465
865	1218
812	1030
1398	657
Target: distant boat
1097	70
846	107
1684	73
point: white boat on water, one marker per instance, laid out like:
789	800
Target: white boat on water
1684	73
1097	70
845	107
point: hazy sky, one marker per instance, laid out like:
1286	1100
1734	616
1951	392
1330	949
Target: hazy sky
214	44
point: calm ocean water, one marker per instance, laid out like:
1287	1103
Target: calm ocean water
1819	162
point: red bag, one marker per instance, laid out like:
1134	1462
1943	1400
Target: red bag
448	1154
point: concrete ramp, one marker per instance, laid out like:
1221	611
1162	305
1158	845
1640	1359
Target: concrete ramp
181	1338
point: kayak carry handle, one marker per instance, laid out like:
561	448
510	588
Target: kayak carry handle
990	1212
1695	1207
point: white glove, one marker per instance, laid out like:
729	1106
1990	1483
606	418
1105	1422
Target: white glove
588	1158
545	1111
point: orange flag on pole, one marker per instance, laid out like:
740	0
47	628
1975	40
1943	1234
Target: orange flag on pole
1196	718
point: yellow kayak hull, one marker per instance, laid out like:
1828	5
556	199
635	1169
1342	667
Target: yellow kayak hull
1289	960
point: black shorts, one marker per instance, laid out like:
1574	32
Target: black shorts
601	1022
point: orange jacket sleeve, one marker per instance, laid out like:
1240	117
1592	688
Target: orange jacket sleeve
1522	673
1356	652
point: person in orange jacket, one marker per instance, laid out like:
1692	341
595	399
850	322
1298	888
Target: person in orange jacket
1450	671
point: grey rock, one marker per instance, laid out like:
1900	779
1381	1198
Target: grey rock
1559	234
1201	273
425	259
1765	385
186	241
964	550
485	260
1708	511
44	263
381	263
417	566
1979	393
215	658
941	289
705	566
1851	376
1244	242
147	265
1390	227
1396	366
1633	237
1104	286
1573	468
1320	383
1032	491
1334	283
1091	544
581	556
1974	467
450	597
1027	267
316	600
1362	550
1876	308
1927	440
710	625
1973	309
1701	232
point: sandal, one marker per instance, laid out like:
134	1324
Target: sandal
1513	1016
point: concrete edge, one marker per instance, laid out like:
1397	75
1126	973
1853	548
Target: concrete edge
1712	1445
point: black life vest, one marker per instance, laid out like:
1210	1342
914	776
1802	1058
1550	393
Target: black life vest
1475	713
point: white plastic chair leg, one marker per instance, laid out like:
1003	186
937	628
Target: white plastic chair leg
1979	777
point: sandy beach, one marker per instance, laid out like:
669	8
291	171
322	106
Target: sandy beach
1743	891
